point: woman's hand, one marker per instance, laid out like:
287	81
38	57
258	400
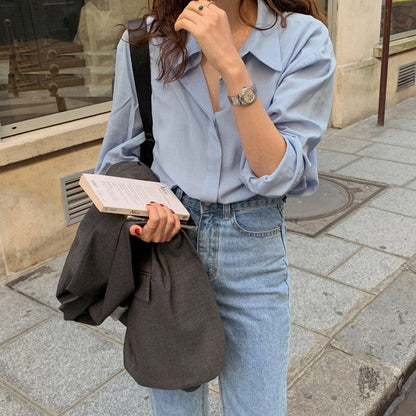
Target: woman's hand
211	29
162	226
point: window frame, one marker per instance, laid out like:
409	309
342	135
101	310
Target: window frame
50	120
396	36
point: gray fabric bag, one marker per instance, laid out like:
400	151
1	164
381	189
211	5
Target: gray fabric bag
174	336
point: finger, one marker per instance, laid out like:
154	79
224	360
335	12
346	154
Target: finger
149	230
170	223
157	222
135	230
193	14
176	228
185	23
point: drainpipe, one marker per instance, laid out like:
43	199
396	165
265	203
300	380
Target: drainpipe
384	63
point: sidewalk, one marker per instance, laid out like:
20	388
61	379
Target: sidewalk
352	255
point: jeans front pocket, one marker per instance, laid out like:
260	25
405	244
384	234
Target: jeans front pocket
258	222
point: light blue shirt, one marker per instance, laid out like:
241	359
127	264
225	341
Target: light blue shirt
199	150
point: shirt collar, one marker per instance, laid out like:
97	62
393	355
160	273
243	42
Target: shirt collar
256	44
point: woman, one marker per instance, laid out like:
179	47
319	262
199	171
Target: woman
242	93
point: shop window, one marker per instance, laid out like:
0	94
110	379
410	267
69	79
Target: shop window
403	19
57	57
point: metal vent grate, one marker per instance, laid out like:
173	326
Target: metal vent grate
407	76
75	200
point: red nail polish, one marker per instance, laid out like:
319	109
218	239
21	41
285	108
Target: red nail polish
138	231
152	202
172	211
161	205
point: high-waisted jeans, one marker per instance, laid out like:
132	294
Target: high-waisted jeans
243	247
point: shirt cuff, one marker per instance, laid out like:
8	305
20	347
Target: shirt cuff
278	183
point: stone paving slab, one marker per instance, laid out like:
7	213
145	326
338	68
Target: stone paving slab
113	328
378	170
386	329
379	229
59	362
367	269
364	130
305	345
395	153
339	384
396	137
403	123
411	185
319	255
42	282
404	109
343	144
329	161
400	200
12	405
123	396
322	304
18	313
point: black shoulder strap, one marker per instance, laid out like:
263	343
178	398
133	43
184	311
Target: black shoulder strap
140	60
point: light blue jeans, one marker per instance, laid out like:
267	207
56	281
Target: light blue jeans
243	248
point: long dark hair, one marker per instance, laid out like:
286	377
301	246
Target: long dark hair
173	44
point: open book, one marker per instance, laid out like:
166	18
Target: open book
117	195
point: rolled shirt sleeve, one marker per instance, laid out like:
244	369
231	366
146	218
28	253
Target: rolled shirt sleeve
300	110
124	133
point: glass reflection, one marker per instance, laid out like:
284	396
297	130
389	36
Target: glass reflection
57	55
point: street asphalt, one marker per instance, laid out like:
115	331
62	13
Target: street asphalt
353	298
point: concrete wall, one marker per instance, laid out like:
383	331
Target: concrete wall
32	219
357	77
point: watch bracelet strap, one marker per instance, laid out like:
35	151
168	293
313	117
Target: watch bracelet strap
234	100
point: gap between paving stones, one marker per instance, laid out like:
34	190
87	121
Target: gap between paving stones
393	212
401	374
56	313
401	377
297	370
99	331
92	392
408	265
26	398
311	398
392	278
398	374
95	329
357	243
307	368
365	292
25	331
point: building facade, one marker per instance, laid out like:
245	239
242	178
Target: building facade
56	80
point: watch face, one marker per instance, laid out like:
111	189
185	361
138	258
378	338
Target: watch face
248	95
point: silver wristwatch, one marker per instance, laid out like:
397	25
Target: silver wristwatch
246	96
